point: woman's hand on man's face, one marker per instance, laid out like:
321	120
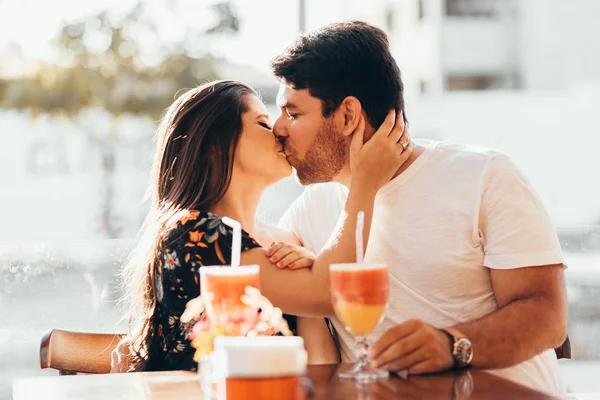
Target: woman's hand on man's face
373	163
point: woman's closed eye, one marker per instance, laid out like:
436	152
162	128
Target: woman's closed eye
265	125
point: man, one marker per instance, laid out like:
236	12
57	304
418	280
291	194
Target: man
476	270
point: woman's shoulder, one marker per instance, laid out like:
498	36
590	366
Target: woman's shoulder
203	229
193	226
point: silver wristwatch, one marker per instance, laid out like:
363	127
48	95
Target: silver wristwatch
462	350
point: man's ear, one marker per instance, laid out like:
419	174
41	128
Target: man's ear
351	112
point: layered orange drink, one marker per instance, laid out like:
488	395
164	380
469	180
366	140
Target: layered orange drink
359	294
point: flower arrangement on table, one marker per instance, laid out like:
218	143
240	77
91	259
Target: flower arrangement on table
258	318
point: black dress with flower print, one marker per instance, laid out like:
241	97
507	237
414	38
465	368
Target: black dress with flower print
199	239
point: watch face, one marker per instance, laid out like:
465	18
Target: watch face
463	352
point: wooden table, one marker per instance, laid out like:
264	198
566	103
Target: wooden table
186	385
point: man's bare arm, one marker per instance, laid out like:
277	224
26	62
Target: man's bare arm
532	317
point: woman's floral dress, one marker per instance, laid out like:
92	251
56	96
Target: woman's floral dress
198	239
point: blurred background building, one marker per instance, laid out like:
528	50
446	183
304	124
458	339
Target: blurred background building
449	45
83	84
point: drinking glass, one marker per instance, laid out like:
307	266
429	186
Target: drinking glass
222	288
359	294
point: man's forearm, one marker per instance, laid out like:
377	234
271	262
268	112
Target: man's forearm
516	332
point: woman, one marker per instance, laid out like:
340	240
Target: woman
215	156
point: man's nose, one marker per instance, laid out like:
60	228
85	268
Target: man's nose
280	128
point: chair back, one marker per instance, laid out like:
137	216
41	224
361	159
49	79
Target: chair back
77	352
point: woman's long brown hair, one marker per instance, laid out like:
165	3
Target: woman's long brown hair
195	145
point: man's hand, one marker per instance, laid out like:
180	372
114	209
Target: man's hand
414	346
290	255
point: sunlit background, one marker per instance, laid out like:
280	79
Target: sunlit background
83	83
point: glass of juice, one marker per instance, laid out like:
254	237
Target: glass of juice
222	288
359	294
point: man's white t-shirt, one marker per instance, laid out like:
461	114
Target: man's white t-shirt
455	211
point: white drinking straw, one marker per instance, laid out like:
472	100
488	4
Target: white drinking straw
360	224
236	246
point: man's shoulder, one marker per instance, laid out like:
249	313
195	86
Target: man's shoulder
318	202
464	150
320	193
462	155
314	215
276	233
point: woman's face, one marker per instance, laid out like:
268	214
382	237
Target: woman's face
259	154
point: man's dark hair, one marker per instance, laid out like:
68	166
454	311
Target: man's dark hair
345	59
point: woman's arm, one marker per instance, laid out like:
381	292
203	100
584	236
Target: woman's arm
305	292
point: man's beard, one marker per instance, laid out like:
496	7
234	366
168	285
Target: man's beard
325	157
